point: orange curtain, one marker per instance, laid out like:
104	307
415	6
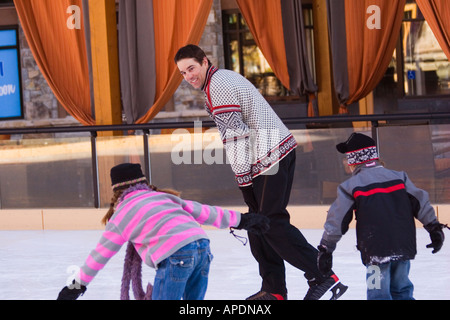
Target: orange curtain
177	23
60	52
369	50
437	14
265	22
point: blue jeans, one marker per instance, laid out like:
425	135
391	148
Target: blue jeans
389	281
184	274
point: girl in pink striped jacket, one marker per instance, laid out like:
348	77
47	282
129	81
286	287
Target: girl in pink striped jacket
165	231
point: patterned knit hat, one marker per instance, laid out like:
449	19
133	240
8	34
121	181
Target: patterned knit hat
359	148
126	174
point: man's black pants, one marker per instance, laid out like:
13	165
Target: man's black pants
283	242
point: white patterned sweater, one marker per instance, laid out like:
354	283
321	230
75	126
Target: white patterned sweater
254	137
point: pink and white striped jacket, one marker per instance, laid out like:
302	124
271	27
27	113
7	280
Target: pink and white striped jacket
158	224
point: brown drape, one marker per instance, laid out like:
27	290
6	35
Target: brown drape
264	20
367	51
437	14
60	52
176	23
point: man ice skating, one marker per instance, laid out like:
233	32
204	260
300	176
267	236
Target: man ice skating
261	151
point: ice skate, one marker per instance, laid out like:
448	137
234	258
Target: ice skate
318	291
262	295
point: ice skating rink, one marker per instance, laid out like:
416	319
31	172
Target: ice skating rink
35	265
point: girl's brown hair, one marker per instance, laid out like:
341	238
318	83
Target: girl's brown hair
118	193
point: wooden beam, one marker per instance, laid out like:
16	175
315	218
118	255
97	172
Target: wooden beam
105	63
365	107
326	97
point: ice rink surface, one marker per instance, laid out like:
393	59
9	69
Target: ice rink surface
35	265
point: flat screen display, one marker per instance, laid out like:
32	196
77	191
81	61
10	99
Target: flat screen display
10	81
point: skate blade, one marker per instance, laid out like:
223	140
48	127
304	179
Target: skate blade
335	292
338	290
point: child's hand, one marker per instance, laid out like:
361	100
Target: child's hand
436	235
324	260
255	223
73	292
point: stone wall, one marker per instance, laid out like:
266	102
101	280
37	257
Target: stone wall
39	100
41	108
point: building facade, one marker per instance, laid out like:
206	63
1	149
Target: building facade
416	80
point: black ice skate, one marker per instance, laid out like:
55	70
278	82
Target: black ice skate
262	295
318	290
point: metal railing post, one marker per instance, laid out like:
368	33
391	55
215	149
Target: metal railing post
375	131
375	134
148	172
95	179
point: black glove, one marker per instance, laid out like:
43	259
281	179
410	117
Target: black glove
254	223
249	198
324	260
436	235
72	293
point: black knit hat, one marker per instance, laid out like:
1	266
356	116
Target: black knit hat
358	148
126	174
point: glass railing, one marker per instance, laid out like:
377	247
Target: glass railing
74	172
37	173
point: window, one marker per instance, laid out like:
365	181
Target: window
243	56
6	3
426	69
418	69
10	80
